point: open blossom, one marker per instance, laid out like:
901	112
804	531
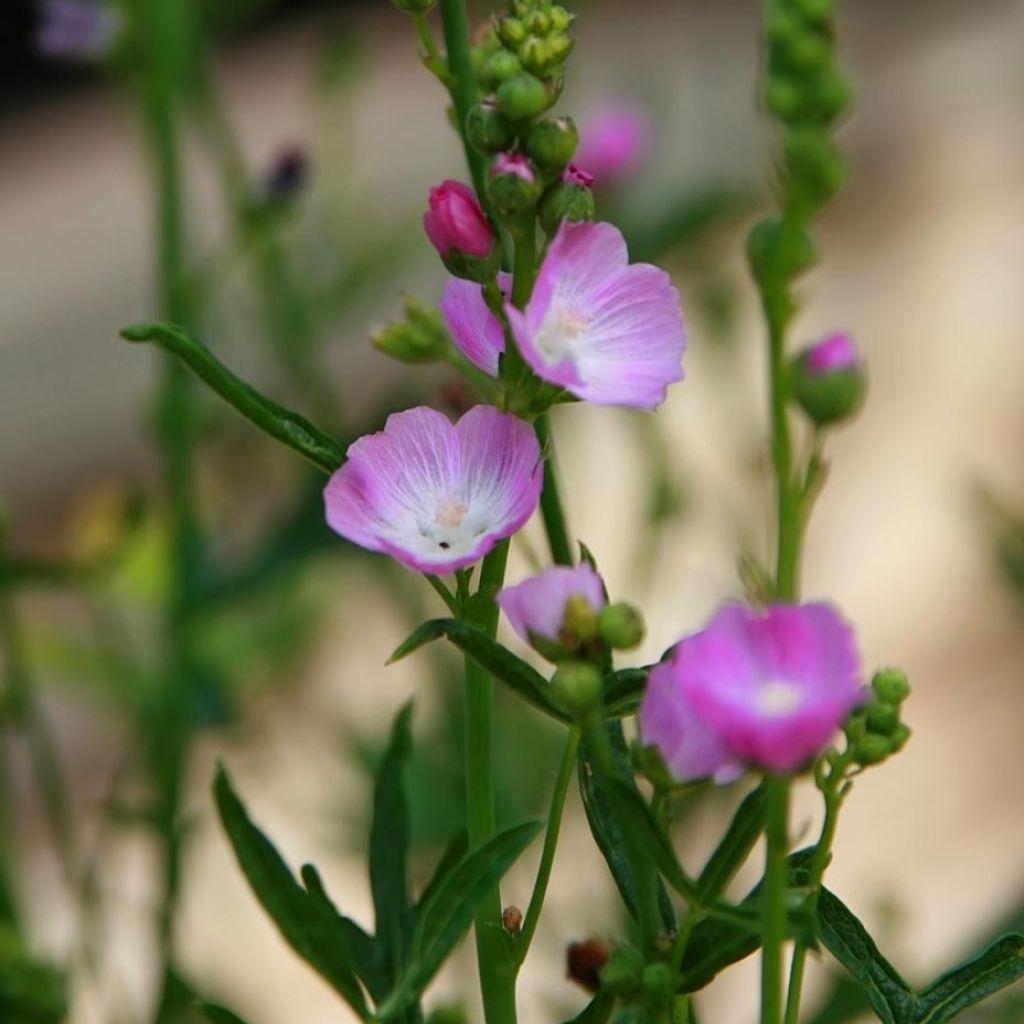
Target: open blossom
454	220
76	30
836	352
613	142
606	330
437	496
767	689
536	607
476	331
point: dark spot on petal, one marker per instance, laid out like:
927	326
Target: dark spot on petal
444	545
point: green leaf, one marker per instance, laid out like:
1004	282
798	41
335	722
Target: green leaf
734	847
601	808
389	848
623	691
597	1011
280	423
302	920
498	660
450	859
845	1001
848	941
31	991
445	918
999	965
216	1014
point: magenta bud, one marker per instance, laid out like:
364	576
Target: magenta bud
458	228
828	379
512	184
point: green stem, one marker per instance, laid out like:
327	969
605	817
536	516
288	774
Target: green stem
547	859
774	898
550	501
462	87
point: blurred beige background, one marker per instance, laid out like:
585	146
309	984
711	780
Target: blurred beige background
923	261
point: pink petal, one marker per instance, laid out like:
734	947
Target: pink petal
476	331
537	605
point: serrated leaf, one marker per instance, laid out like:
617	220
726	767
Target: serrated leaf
849	942
599	805
217	1014
445	918
389	847
303	922
499	661
999	965
286	426
734	848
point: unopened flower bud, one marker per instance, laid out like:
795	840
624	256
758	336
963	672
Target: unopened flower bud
499	66
658	987
783	98
807	51
621	626
561	19
511	919
458	228
579	624
622	974
512	31
815	11
891	686
899	737
570	199
522	97
414	6
882	718
419	338
827	379
816	168
585	962
832	95
487	129
552	141
513	184
872	748
778	251
577	686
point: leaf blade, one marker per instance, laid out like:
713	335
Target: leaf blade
735	846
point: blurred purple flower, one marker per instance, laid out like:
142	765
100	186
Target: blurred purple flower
536	607
606	330
613	143
437	497
768	689
76	30
476	331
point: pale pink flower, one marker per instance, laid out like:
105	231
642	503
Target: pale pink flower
767	689
476	331
836	352
456	221
536	607
613	143
513	163
606	330
437	496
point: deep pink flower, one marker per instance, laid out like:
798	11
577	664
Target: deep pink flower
836	352
513	163
764	688
537	605
476	331
575	175
613	143
76	30
436	496
455	220
604	329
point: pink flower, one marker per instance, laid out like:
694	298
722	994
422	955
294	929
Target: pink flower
476	331
836	352
436	496
76	30
455	220
536	607
604	329
762	688
613	143
575	175
513	163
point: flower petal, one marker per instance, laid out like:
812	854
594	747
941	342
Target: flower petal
476	331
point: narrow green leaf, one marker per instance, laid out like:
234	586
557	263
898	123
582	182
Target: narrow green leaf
450	859
999	965
600	807
302	920
219	1014
389	847
445	918
498	660
280	423
734	848
623	691
844	1002
849	942
597	1011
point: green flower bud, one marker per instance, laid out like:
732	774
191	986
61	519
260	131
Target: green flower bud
816	168
523	97
807	51
621	626
538	22
560	46
891	686
856	726
832	95
487	129
499	67
882	718
414	6
536	54
570	199
552	141
578	687
872	748
778	251
419	338
783	98
561	19
511	31
513	184
579	625
817	12
827	380
658	986
622	975
899	737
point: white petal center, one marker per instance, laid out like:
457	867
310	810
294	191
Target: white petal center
559	331
453	528
777	698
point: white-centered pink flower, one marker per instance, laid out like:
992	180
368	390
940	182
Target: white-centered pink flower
606	330
434	495
536	607
476	331
767	689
